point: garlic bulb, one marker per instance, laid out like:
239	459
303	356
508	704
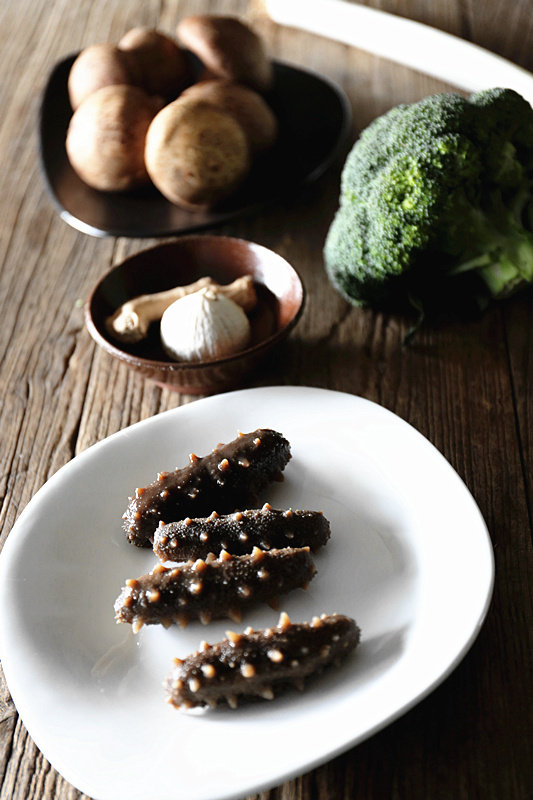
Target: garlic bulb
203	326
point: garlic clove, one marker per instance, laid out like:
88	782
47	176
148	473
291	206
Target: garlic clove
204	326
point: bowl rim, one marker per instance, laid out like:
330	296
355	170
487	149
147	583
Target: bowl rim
174	366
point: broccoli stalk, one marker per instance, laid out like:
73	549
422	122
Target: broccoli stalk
505	264
434	192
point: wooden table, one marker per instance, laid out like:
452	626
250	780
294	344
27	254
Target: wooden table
465	386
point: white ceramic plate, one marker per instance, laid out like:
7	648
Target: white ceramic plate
409	558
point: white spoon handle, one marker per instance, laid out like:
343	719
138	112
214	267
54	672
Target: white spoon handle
404	41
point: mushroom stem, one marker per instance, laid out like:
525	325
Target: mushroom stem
131	321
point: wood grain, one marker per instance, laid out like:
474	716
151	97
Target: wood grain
466	386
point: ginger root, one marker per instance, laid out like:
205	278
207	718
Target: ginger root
131	321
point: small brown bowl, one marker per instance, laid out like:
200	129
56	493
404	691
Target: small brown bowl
280	292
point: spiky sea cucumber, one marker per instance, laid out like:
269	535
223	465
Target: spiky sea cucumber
260	664
228	478
240	532
214	588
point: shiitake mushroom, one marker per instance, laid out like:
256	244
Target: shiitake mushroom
157	62
247	106
196	154
106	136
97	66
228	48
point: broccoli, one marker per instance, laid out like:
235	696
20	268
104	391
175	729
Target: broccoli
435	204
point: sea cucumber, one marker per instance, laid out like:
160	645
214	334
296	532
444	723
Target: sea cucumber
214	588
260	664
240	532
228	478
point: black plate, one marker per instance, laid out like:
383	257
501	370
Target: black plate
314	116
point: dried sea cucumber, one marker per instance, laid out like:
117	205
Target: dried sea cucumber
240	532
260	664
214	588
229	477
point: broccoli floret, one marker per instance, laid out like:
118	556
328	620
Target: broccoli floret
436	202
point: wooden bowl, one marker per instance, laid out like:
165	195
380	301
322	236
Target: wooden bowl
280	292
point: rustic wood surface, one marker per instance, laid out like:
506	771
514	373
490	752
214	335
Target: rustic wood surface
465	386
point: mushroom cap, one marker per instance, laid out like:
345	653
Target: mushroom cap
97	66
196	154
228	48
159	64
105	138
247	106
